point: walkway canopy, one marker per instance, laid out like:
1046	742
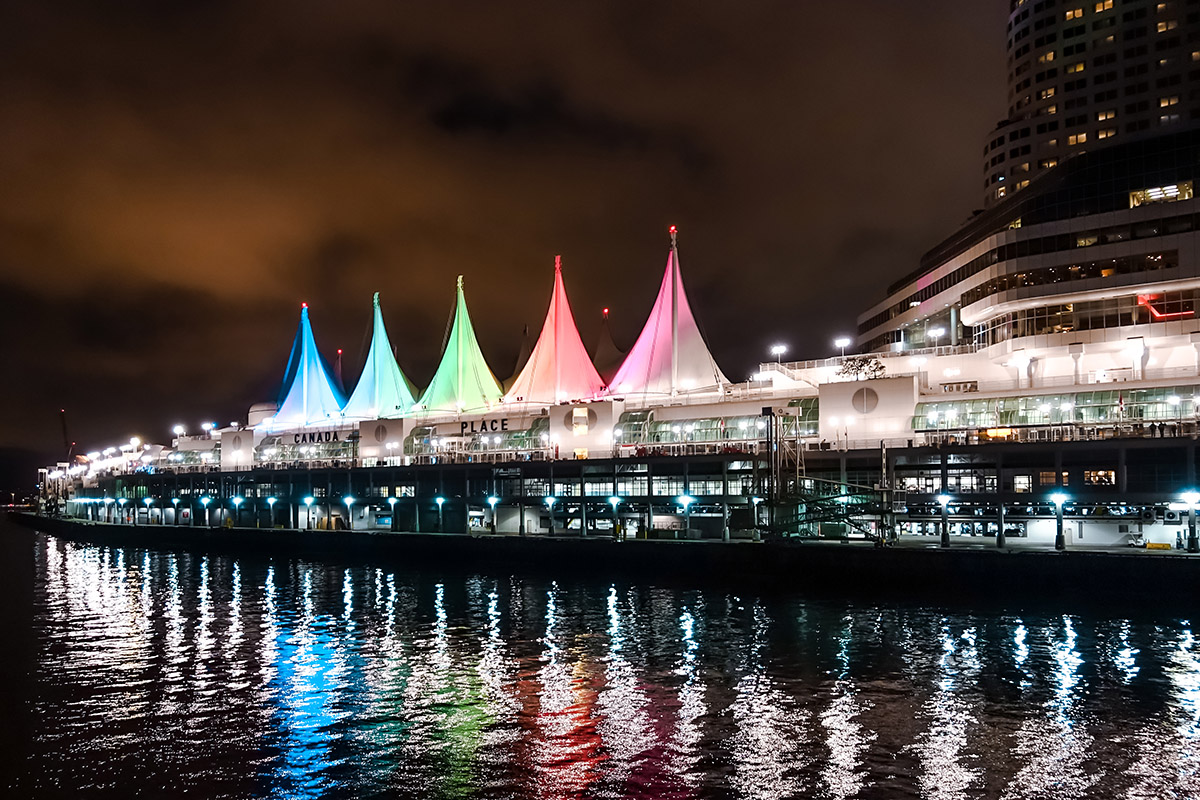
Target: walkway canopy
559	368
308	396
463	381
382	391
670	355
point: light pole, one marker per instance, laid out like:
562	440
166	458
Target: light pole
392	508
237	501
1192	498
754	503
936	333
686	501
440	502
149	501
1060	541
175	513
550	507
778	350
204	501
615	501
944	502
349	501
842	342
271	501
122	503
308	501
492	500
108	501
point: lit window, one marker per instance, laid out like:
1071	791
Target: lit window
1167	25
1173	100
1161	194
1047	163
1046	94
1022	484
1100	477
1168	119
1078	66
1196	55
1077	138
1106	5
1074	13
1047	56
1108	114
1106	133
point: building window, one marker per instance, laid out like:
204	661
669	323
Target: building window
1073	13
1077	138
1023	484
1106	5
1047	478
1172	100
1046	94
1106	133
1099	477
1161	194
1078	66
1167	25
1110	113
1047	163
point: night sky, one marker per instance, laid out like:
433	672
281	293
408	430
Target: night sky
176	178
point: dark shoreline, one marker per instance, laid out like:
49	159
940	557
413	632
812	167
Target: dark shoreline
1079	578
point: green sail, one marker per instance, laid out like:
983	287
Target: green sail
382	391
463	381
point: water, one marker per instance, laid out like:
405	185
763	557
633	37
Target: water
133	672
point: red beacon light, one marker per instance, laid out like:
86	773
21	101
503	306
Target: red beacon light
304	305
672	229
606	312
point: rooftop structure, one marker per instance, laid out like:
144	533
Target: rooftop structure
558	368
309	395
463	381
670	355
382	389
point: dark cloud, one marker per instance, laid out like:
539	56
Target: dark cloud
175	178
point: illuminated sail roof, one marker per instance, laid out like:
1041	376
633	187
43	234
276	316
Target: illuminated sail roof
670	355
382	391
309	396
559	368
463	381
608	356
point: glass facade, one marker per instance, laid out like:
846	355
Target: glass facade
1105	407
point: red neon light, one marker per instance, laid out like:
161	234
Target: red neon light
1144	300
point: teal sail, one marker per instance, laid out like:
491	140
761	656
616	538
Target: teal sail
309	396
463	381
382	391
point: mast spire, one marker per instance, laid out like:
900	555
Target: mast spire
674	312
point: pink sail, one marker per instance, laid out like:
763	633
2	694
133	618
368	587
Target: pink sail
559	369
670	356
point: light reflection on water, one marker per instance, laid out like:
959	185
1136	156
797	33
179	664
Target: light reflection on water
159	673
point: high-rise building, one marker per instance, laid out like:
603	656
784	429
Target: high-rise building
1084	75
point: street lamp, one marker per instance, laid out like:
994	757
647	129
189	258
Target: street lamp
175	513
842	342
149	501
204	501
550	501
615	501
108	501
179	430
271	501
440	502
492	500
349	501
123	501
937	333
686	501
1060	541
308	501
392	508
237	501
1192	498
778	350
944	502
